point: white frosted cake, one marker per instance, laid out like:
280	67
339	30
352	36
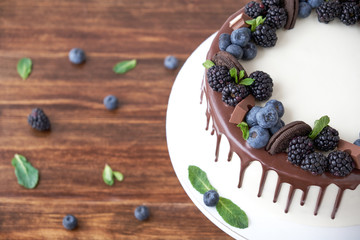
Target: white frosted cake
315	71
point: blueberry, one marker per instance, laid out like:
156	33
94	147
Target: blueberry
77	55
357	142
142	213
267	117
111	102
277	105
276	128
224	41
304	10
70	222
240	36
250	118
315	3
171	62
250	51
258	137
235	50
211	198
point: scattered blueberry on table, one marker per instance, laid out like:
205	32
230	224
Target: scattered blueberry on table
70	222
142	213
171	62
111	102
77	56
211	198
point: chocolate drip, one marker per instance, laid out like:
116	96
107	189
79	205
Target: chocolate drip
287	173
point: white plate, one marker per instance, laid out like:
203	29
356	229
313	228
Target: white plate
190	144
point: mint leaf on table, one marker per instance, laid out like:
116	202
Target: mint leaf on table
118	175
24	67
245	129
108	175
199	180
319	126
124	66
208	64
231	213
27	175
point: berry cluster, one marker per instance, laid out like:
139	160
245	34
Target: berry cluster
264	122
301	152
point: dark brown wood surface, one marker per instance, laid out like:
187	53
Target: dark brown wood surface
84	135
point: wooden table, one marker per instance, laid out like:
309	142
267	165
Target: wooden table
84	135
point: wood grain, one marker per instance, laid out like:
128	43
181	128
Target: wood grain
84	135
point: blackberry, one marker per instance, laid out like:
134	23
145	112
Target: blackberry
316	163
262	86
299	147
328	11
350	13
218	77
327	139
254	9
233	93
265	36
269	3
340	163
276	17
38	120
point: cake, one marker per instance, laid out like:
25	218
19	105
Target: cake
333	200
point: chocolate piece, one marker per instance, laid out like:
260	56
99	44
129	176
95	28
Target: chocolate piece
240	20
241	109
292	8
223	58
352	149
281	139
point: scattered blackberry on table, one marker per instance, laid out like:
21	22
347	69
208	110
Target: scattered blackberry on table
350	13
340	163
262	87
77	56
299	147
327	139
276	17
171	62
70	222
255	9
218	77
233	93
142	213
38	120
269	3
328	11
315	162
211	198
265	36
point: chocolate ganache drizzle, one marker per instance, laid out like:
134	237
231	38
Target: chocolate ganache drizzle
287	173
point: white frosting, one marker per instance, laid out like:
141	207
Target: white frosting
316	71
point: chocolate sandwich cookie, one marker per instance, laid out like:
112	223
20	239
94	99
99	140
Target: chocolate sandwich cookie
226	59
292	8
281	139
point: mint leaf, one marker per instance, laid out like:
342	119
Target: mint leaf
319	126
231	213
255	22
108	175
199	180
208	64
124	66
233	74
245	129
24	67
27	175
241	74
247	81
118	175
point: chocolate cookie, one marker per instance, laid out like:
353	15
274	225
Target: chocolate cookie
280	140
223	58
292	8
